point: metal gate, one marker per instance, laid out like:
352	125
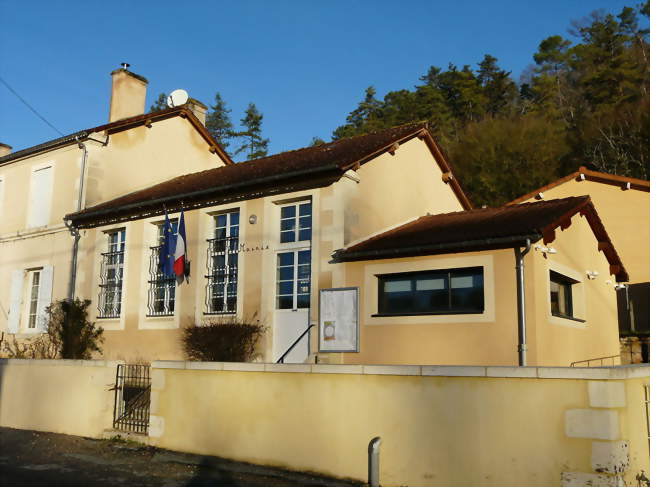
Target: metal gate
132	398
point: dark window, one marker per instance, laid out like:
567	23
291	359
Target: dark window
432	292
293	279
162	289
561	299
223	260
634	309
111	274
295	222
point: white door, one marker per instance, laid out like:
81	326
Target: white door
293	276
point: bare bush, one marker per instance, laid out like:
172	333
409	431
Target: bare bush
227	340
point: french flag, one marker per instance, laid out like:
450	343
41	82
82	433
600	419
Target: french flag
180	254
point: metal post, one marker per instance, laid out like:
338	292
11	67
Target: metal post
373	461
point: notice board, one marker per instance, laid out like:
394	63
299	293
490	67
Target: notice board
338	322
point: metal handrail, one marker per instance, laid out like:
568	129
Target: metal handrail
588	361
281	359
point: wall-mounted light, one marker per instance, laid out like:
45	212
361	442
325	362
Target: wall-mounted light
545	250
581	177
352	175
252	219
592	274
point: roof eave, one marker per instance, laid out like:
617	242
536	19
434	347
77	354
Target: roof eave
121	125
204	198
432	249
586	174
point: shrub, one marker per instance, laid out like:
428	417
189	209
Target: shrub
68	326
226	340
69	334
34	347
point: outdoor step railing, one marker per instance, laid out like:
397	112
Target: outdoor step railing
293	345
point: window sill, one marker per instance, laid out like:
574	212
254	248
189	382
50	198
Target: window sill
108	318
165	317
571	318
382	315
224	313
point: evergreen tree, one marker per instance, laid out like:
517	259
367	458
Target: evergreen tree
218	122
160	103
254	146
498	88
316	141
582	102
363	119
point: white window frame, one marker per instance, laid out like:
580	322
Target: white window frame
2	194
23	307
295	279
119	249
169	285
228	281
41	219
32	299
297	228
296	246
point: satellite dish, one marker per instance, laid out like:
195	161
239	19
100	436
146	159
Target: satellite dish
177	98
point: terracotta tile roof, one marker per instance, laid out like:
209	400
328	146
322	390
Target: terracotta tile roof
483	229
586	174
119	125
310	167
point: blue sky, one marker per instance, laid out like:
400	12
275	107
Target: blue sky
305	64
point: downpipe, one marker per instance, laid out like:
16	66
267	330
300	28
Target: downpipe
73	263
522	348
73	230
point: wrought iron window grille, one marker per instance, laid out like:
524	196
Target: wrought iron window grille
161	297
110	287
222	265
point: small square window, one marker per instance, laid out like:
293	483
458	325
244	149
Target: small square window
561	295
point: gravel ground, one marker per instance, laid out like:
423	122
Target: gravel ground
30	458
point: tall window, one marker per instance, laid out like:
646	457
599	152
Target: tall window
111	275
34	288
448	291
223	259
162	289
561	296
2	187
295	222
293	279
40	197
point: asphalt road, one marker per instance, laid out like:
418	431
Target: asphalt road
30	459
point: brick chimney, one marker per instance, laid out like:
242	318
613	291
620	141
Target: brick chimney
5	149
128	94
197	108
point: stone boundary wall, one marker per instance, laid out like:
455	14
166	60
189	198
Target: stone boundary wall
603	373
440	425
61	396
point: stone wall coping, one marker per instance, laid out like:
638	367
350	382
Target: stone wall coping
60	362
591	373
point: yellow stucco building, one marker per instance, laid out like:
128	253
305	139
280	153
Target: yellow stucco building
624	206
261	236
41	184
